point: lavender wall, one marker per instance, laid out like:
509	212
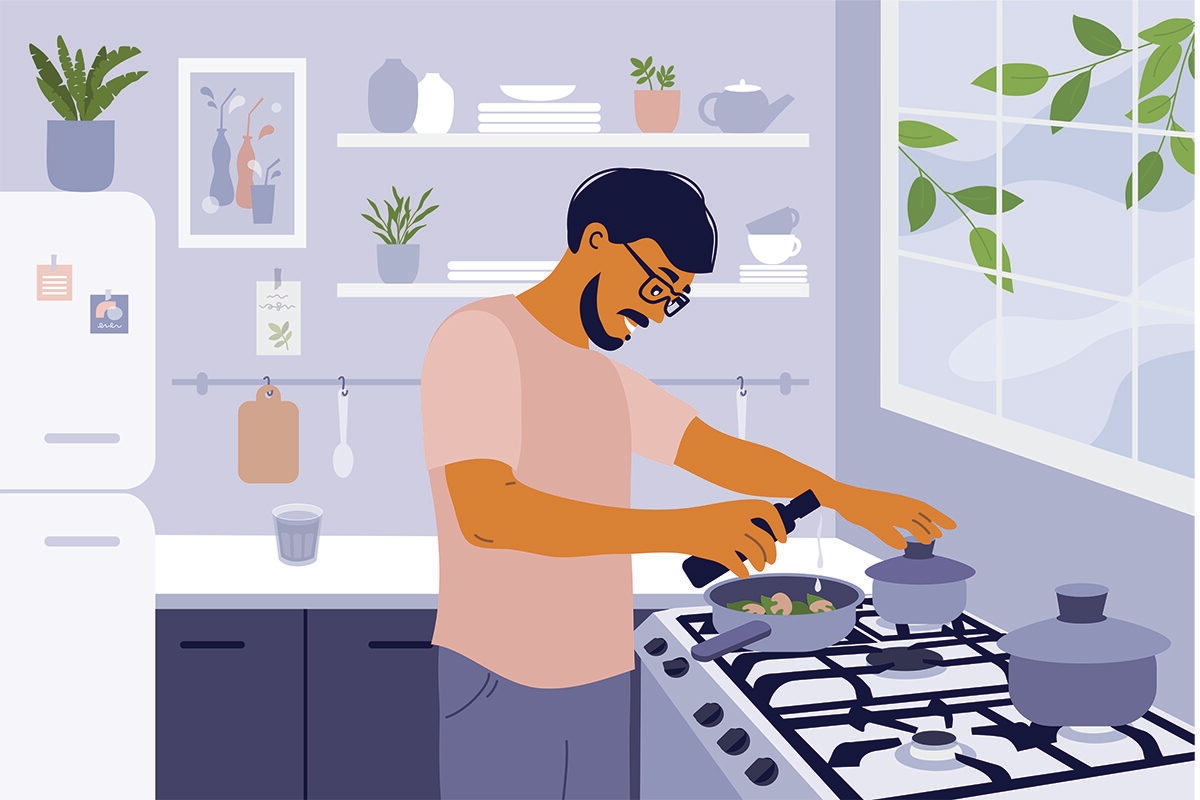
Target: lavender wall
495	204
1025	527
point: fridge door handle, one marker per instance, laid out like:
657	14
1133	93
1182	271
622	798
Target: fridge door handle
83	541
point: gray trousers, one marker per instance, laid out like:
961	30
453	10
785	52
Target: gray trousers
500	739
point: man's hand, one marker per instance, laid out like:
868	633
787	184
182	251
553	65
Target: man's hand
720	531
882	513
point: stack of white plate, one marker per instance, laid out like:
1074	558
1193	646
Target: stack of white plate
499	271
538	109
773	273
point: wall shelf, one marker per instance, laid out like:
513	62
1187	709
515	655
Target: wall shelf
543	140
479	289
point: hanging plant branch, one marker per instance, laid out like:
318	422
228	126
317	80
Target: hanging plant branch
1169	55
922	201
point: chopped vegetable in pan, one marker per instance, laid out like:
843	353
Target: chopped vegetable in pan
779	604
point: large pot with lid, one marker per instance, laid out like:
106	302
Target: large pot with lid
919	587
1082	668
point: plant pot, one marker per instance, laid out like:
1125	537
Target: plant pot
80	154
656	110
262	203
398	262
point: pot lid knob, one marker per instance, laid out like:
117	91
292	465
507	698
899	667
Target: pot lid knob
915	549
1081	602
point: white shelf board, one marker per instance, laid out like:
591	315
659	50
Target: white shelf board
484	140
465	289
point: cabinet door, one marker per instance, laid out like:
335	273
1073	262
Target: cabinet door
372	705
230	704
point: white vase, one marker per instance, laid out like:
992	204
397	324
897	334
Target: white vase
435	105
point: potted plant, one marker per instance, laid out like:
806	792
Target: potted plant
655	111
397	259
80	149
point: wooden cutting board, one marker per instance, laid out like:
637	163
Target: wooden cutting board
268	438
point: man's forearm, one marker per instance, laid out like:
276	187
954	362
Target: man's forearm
749	468
496	510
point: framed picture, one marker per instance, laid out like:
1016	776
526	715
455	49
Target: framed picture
241	152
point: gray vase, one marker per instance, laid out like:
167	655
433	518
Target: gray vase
398	262
392	97
80	154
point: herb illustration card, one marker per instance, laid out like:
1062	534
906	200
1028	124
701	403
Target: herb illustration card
277	318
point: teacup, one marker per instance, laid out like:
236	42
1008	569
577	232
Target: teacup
781	221
773	248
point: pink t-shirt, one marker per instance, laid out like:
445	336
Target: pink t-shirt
496	384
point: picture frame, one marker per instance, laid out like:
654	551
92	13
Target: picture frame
231	108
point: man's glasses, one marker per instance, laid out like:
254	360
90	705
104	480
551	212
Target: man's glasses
657	290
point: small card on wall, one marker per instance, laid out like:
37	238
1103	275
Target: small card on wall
277	318
109	313
54	280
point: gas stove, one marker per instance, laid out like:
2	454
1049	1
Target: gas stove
889	712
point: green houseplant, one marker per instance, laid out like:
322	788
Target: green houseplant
397	259
80	150
656	111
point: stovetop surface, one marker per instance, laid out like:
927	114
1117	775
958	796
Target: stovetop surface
852	719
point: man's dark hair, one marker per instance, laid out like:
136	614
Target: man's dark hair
633	203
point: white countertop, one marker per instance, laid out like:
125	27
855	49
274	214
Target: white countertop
244	571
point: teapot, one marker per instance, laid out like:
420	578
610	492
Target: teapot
742	108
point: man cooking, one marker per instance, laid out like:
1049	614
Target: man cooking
529	435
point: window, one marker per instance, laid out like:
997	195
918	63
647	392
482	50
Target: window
1038	231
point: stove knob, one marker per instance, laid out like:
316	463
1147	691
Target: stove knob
676	667
709	714
656	646
734	741
762	772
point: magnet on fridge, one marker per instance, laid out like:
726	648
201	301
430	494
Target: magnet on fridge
54	280
109	313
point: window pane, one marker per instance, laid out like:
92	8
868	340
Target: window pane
1063	357
1043	33
939	307
943	47
1072	226
1179	83
1166	391
964	164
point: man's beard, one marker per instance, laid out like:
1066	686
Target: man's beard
589	314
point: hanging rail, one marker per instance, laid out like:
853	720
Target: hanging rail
202	382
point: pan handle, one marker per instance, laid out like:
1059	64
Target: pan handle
732	639
701	571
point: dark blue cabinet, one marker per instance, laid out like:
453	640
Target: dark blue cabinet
294	704
372	705
230	704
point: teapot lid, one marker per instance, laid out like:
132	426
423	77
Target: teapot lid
919	565
742	86
1082	634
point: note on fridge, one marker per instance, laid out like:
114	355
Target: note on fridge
54	280
277	318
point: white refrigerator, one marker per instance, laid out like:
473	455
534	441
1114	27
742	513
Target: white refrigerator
77	431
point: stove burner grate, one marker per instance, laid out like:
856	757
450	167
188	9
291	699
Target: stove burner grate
905	659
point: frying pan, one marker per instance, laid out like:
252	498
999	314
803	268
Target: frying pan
798	633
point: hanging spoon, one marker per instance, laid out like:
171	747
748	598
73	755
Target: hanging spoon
343	456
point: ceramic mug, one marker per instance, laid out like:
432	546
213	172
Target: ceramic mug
773	248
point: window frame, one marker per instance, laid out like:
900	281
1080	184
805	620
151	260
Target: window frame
1120	472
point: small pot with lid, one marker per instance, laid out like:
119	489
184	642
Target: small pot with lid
919	587
1082	668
